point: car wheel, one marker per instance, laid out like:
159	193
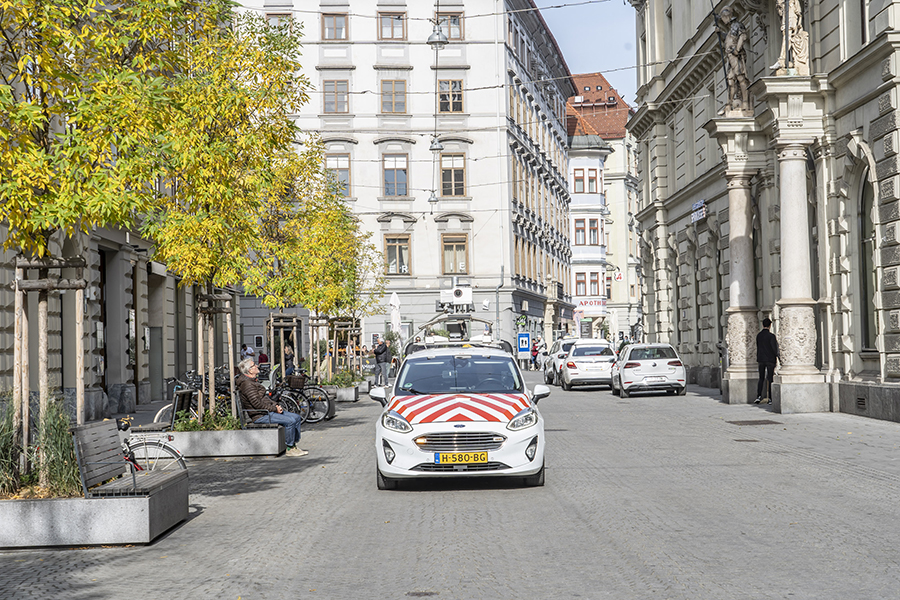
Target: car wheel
613	389
383	482
625	393
565	386
548	379
536	480
682	391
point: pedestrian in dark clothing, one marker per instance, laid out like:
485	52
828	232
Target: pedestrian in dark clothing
382	361
261	409
766	355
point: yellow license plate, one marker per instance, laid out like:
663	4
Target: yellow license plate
460	458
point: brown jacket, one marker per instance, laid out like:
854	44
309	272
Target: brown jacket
253	397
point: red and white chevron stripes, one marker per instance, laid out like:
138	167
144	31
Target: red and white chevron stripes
438	408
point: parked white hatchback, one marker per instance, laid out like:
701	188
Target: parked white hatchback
588	363
459	412
648	368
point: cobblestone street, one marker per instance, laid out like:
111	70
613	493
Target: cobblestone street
646	497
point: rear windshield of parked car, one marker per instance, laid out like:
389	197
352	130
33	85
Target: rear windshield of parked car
592	351
459	374
652	353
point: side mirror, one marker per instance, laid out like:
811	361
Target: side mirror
561	355
378	395
540	391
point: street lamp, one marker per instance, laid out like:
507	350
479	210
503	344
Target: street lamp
437	39
436	145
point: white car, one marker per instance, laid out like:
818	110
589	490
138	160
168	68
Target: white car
588	363
648	368
459	412
554	361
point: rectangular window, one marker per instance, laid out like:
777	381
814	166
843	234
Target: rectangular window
580	285
393	96
451	25
276	19
453	175
595	284
396	252
609	286
339	166
632	290
391	26
579	181
395	175
451	95
455	254
579	232
592	181
594	232
334	27
336	95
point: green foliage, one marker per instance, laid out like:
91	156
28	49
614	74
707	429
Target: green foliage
343	378
440	332
394	339
9	450
56	449
184	421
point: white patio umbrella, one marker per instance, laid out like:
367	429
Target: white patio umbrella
395	313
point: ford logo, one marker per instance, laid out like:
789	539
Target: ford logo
460	426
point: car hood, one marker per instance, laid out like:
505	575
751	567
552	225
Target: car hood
442	408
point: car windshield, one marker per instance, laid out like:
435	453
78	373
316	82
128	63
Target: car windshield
655	353
592	351
461	373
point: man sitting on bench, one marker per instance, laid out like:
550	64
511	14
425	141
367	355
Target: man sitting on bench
261	409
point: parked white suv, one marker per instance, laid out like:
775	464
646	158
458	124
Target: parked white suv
555	356
648	368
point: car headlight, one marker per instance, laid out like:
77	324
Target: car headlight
395	422
523	420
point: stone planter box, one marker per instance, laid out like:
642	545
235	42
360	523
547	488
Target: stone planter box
92	521
348	394
255	441
331	389
364	386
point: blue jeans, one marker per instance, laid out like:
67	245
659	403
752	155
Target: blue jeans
290	421
381	372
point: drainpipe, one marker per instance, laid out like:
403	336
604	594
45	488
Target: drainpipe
497	304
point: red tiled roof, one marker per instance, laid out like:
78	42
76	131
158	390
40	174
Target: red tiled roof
605	118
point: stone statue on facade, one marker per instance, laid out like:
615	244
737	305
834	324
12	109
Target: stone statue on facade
736	59
798	38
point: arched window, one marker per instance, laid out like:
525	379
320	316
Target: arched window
866	228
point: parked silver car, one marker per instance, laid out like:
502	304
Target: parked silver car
648	368
553	362
588	363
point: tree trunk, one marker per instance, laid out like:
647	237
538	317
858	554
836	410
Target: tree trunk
18	398
79	356
211	359
43	378
234	407
201	393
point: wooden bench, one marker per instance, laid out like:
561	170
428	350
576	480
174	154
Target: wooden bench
106	474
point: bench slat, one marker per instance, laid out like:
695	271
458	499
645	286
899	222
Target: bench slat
148	482
99	452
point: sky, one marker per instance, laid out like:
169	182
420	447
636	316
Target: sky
596	37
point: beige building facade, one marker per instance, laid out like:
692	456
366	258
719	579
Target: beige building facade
770	188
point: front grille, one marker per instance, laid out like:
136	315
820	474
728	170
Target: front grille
460	442
433	468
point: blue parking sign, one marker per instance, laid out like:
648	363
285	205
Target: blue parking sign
524	345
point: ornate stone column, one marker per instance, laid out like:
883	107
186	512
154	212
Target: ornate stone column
744	147
798	387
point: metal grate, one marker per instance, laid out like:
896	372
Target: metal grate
433	468
755	422
861	403
459	442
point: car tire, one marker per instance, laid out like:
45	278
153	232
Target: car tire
565	386
624	393
548	379
384	483
536	480
613	389
682	391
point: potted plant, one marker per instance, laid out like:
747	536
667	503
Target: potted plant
222	435
344	385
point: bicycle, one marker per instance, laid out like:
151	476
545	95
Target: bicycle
321	405
150	451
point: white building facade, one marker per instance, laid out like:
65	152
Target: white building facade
487	210
786	207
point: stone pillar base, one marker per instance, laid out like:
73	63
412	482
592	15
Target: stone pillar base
739	390
793	396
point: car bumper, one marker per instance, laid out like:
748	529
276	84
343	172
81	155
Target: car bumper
588	378
640	386
509	459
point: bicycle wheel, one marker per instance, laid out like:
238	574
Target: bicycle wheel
164	415
156	455
319	403
297	403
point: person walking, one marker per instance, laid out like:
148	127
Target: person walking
766	355
382	361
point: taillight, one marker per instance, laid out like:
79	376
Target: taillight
631	365
675	363
571	365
